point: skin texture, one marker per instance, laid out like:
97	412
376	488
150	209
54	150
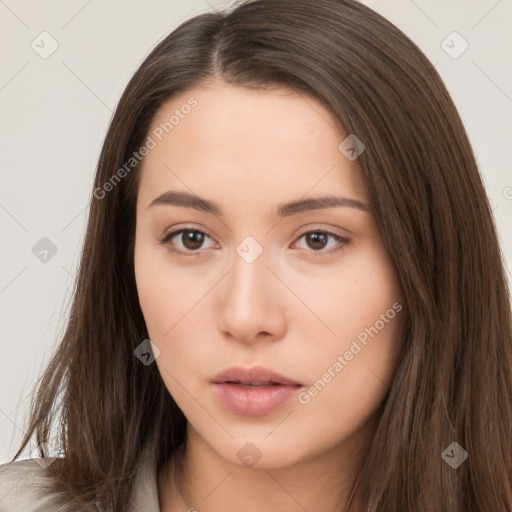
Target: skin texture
292	310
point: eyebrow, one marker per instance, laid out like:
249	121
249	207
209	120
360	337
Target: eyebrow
187	200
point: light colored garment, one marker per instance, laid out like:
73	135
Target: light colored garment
23	487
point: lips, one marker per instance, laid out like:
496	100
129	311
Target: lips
255	376
254	391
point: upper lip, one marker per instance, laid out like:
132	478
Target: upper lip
254	375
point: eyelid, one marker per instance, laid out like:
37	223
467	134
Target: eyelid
186	227
316	227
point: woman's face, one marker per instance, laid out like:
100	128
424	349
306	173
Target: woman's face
265	275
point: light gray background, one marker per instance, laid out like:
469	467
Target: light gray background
55	112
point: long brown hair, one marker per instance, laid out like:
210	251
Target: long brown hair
453	382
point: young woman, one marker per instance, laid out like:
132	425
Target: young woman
291	294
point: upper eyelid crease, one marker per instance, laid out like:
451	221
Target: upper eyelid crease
187	200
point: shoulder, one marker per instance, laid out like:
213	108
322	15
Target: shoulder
24	485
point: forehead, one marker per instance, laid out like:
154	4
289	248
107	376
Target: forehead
254	144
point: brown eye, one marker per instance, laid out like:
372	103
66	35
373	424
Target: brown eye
192	240
316	240
320	242
187	242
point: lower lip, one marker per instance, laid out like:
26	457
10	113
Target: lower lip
256	401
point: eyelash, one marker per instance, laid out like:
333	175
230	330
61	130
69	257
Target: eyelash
165	241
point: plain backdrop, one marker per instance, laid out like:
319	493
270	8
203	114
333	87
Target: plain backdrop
55	110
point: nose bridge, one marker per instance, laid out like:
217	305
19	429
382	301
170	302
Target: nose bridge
249	276
248	302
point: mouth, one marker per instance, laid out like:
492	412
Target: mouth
255	391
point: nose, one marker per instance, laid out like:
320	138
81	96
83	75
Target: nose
250	302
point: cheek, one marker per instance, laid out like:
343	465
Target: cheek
155	298
352	373
348	387
170	300
166	292
369	290
348	300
